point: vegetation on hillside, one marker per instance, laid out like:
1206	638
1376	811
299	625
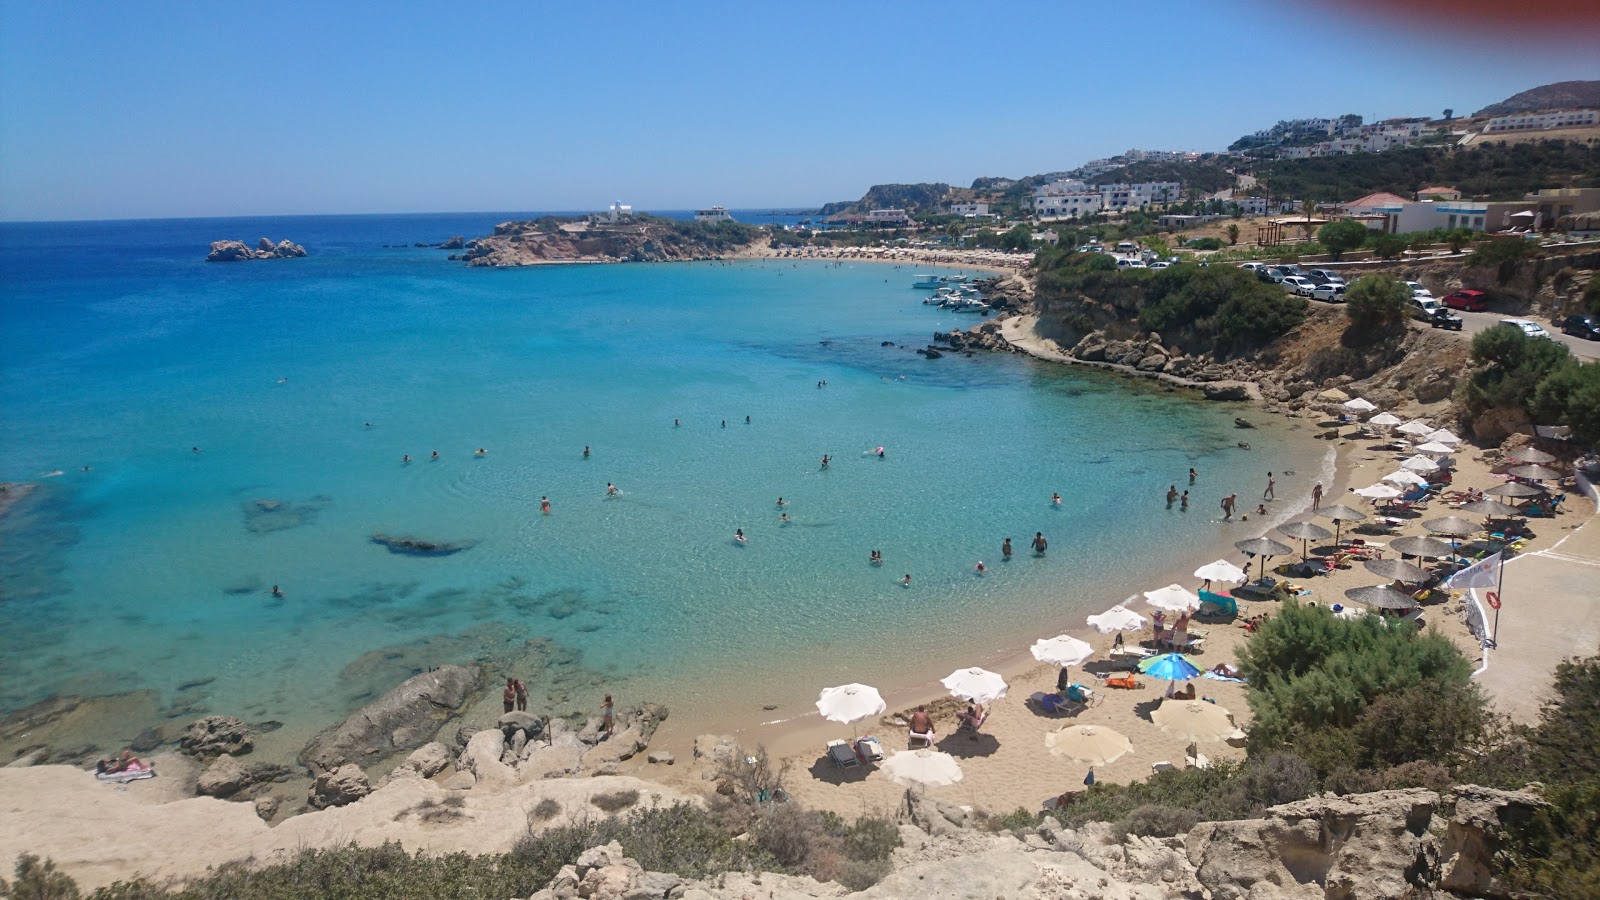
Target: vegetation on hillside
1202	176
1536	376
910	197
1377	305
1497	171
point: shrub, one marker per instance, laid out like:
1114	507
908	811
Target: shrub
1154	820
1342	236
1387	246
1015	820
545	810
1511	367
39	880
1377	304
1591	296
1205	243
755	778
1505	255
615	800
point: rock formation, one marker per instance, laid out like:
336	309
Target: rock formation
227	777
640	239
339	787
234	251
403	719
412	546
216	736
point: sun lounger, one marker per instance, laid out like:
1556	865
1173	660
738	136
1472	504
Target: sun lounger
842	754
868	749
1129	657
1127	682
927	738
1197	760
1067	799
1055	704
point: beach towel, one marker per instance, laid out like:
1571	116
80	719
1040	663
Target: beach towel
135	772
1215	677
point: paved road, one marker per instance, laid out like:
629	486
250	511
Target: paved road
1472	323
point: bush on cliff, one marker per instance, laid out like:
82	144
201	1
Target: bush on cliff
1504	255
1376	305
1537	376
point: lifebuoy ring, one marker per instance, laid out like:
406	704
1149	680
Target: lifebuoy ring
1494	599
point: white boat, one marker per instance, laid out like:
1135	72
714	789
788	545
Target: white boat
928	282
970	305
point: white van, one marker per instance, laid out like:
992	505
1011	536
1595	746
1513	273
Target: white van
1424	307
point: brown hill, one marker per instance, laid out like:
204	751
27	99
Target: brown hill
1561	95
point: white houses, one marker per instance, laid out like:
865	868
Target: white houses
973	209
888	217
1074	205
1563	118
714	214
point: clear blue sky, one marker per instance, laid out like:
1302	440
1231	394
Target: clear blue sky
117	110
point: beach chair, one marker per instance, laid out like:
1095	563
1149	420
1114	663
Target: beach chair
1078	693
1053	704
1126	682
842	754
970	727
1195	759
868	749
926	738
1129	657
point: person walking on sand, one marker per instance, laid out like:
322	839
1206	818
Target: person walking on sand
1227	505
1316	496
608	722
1268	494
1039	543
522	694
1172	495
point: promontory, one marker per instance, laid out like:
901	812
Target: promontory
604	238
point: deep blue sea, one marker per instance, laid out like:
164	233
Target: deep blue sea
122	350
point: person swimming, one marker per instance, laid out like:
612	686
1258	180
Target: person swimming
585	451
782	502
481	452
747	420
1055	499
435	454
980	568
876	558
1172	495
544	505
880	453
906	581
406	458
1005	548
738	535
276	592
784	518
611	489
825	460
676	423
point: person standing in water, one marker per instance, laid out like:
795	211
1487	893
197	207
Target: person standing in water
544	505
1005	548
1316	496
1172	494
1039	543
782	502
585	451
980	568
1269	494
1192	476
1183	502
906	581
611	489
1055	499
738	535
1227	505
522	694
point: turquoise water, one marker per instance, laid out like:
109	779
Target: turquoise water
122	350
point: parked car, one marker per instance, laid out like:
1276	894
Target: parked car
1471	301
1531	329
1323	276
1299	285
1582	326
1417	290
1331	292
1423	308
1276	274
1159	265
1444	318
1130	264
1252	266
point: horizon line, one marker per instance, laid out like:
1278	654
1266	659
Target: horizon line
435	212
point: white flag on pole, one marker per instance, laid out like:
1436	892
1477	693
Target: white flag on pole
1483	575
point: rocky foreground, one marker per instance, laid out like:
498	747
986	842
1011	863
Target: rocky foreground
237	251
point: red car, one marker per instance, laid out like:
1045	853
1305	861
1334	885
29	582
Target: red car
1471	301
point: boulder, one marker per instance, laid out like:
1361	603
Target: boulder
215	736
715	748
430	759
267	807
402	719
662	757
1226	390
454	243
235	251
482	758
1092	347
518	721
1469	853
340	787
148	740
1154	362
227	776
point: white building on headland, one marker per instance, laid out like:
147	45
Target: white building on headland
888	217
714	214
974	209
1069	205
1561	118
615	213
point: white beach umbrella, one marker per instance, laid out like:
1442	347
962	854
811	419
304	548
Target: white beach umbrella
1417	427
1378	492
1385	419
1221	570
1193	720
1420	463
1434	448
849	702
922	768
1062	650
1360	405
1404	476
1172	597
1444	436
1093	744
1117	618
975	684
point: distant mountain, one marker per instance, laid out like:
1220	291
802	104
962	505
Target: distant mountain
1561	95
910	197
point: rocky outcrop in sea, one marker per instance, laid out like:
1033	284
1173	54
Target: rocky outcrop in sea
235	251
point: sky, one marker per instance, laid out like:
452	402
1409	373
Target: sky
166	109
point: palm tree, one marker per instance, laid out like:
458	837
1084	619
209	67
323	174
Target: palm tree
1233	234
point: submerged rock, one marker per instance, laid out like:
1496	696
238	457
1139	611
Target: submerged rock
412	546
403	719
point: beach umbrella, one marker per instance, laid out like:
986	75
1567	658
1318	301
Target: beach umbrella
1397	569
1193	720
1062	650
1221	570
1488	507
1454	526
1169	667
1305	531
849	702
1419	463
1444	436
1378	492
1092	744
1340	515
975	684
1535	472
1404	476
1417	427
1381	596
922	768
1515	489
1530	455
1117	618
1334	394
1434	448
1360	405
1385	419
1172	597
1263	547
1421	547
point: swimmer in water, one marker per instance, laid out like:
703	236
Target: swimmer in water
369	424
880	453
276	592
585	451
676	423
282	380
784	518
782	502
1172	494
724	423
1192	476
1039	543
747	420
1183	502
481	452
544	505
825	460
194	449
406	458
980	568
738	535
1055	499
906	581
1005	548
435	454
611	489
876	558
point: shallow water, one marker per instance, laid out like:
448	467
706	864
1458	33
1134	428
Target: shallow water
122	350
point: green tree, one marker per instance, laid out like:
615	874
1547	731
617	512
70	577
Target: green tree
1511	365
1020	237
1377	304
1458	238
1232	231
1449	114
1387	246
1342	236
1570	395
1505	255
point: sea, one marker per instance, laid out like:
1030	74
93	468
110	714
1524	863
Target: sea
200	433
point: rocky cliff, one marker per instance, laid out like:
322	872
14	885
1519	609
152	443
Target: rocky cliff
235	251
640	239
